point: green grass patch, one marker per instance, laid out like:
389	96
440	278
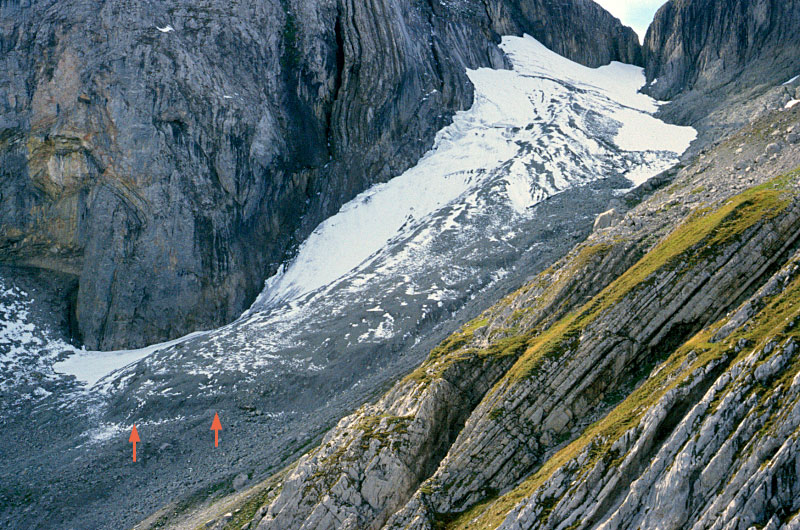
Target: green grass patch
698	238
777	321
448	351
382	427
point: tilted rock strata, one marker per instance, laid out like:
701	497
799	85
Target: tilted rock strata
372	462
728	402
569	371
694	274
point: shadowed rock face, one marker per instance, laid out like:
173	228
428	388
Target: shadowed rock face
704	44
572	29
170	156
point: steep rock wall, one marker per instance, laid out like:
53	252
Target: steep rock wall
170	156
705	44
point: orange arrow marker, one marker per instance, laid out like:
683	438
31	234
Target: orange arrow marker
133	439
216	426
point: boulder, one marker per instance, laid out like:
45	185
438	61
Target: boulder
607	219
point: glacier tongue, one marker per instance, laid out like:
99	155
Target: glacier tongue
542	127
545	126
423	245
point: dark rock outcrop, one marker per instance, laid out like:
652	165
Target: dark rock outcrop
580	29
170	156
705	44
722	64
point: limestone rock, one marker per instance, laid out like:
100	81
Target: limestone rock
607	219
773	148
501	400
240	481
706	43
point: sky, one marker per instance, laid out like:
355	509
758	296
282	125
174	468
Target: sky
637	14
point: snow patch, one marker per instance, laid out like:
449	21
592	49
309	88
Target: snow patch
643	132
792	80
91	366
792	103
520	193
166	29
26	349
384	330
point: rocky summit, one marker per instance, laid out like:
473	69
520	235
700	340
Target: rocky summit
463	265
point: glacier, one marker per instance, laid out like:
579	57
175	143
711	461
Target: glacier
513	110
539	114
510	185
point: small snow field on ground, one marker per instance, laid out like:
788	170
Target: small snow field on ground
27	348
91	366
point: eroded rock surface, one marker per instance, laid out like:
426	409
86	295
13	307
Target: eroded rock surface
704	44
618	318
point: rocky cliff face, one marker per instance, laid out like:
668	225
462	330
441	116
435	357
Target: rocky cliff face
569	29
647	380
170	156
723	64
706	44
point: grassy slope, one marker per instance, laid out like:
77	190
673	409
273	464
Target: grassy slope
696	239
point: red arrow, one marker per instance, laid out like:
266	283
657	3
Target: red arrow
133	439
216	426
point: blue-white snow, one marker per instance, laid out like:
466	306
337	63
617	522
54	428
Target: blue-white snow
91	366
406	247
